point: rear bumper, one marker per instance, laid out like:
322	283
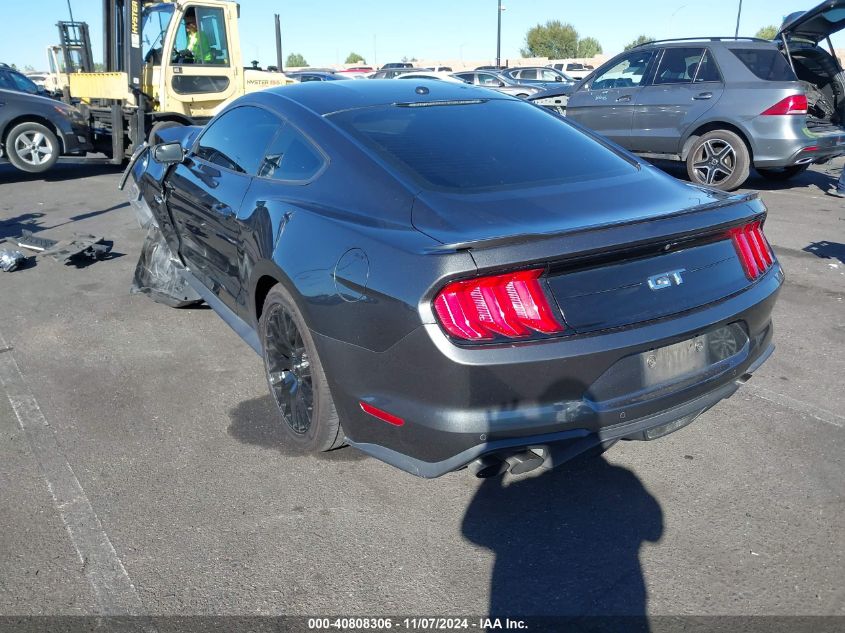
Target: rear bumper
779	143
459	404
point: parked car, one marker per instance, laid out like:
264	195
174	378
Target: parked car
303	76
496	69
440	76
439	69
539	76
721	105
441	296
36	130
392	73
573	69
39	79
391	65
496	81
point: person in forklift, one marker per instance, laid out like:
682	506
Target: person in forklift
198	44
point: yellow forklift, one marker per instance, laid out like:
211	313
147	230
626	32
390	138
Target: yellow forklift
166	62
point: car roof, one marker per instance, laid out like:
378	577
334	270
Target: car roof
730	42
325	98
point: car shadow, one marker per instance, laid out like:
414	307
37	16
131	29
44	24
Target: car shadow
567	542
827	250
821	179
259	423
60	172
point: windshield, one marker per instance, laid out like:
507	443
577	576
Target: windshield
156	19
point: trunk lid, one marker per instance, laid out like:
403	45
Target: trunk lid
616	253
816	24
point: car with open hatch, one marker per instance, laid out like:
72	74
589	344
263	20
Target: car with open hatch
441	297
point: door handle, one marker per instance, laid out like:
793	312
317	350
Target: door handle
703	96
222	209
624	99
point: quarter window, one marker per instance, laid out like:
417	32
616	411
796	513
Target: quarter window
201	37
291	157
237	140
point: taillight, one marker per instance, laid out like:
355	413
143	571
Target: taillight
510	306
753	249
795	104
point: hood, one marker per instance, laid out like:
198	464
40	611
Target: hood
817	23
517	214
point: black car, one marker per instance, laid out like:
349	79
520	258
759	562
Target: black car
438	296
35	130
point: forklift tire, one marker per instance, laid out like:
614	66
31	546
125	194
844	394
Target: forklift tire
32	147
154	138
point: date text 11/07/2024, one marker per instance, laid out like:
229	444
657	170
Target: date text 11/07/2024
415	624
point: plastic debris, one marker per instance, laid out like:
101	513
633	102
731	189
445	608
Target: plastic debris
80	246
159	274
11	260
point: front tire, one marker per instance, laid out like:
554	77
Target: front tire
719	159
295	376
32	147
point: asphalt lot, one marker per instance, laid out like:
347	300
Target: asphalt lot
186	503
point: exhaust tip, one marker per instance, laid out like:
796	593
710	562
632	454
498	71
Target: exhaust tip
524	462
487	466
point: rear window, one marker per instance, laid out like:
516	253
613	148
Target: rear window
466	147
767	64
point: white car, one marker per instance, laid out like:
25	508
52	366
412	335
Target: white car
442	76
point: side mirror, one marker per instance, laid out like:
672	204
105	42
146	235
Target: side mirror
502	84
168	153
558	78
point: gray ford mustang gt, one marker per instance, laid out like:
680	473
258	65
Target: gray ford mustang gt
444	277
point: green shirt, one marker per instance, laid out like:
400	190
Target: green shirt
199	47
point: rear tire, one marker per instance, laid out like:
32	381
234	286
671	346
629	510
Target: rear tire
295	376
782	174
32	147
719	159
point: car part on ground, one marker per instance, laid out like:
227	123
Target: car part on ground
11	260
498	300
79	247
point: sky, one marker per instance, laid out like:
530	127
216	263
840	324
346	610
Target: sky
326	31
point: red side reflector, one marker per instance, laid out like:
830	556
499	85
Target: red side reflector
384	416
796	104
513	305
753	249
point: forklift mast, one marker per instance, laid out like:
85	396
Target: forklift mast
76	47
122	53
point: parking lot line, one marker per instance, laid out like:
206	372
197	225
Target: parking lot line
811	410
113	589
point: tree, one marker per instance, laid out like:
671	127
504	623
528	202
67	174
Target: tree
14	66
29	68
296	60
355	58
642	39
589	47
767	32
553	39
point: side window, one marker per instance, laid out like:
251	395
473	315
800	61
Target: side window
708	71
303	78
528	74
467	77
678	65
486	79
237	140
201	37
628	72
5	81
291	157
548	75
